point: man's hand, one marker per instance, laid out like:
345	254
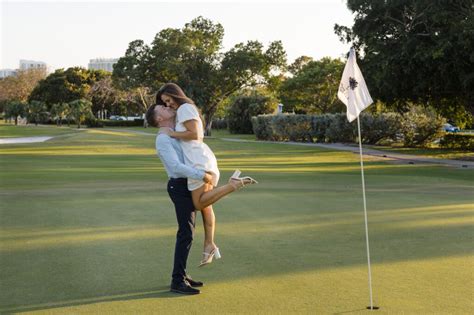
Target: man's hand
207	178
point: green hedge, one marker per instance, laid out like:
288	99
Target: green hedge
457	141
262	127
219	123
325	128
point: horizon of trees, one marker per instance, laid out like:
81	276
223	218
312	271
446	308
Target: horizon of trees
410	53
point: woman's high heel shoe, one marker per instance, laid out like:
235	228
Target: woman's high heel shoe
208	257
239	182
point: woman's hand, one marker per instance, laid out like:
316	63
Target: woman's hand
207	178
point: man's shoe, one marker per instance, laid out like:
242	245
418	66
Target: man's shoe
183	288
194	283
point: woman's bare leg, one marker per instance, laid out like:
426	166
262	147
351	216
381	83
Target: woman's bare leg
209	222
207	195
203	198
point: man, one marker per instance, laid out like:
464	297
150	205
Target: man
171	155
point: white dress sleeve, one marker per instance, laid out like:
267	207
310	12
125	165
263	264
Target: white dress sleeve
187	112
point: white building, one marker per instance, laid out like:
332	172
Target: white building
31	64
106	64
6	73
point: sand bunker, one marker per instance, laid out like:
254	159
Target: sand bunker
24	140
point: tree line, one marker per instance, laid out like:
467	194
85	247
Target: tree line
411	53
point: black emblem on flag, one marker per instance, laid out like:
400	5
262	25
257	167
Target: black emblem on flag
353	83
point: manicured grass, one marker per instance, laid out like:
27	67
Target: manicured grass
9	131
87	227
430	152
216	133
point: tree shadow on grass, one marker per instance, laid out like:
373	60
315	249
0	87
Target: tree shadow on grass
107	266
152	293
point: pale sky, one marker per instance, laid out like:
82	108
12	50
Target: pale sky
70	33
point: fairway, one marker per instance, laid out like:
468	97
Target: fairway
86	226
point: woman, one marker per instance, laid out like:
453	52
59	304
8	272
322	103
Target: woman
189	129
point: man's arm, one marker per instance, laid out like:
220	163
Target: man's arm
169	157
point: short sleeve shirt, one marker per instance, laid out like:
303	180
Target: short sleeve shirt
188	112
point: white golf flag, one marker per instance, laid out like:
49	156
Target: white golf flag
353	91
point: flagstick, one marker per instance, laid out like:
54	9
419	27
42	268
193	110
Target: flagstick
371	307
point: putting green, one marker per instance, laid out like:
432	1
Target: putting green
86	226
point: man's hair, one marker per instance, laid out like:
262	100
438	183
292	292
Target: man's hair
150	115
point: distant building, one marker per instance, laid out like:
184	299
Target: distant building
6	73
106	64
31	64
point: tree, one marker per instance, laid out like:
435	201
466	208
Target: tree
191	57
59	111
103	96
80	110
66	85
416	51
138	100
244	106
313	88
35	110
298	64
14	109
19	86
130	75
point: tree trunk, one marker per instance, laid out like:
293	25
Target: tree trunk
208	116
208	131
208	127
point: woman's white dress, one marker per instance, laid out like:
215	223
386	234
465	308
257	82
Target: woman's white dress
196	153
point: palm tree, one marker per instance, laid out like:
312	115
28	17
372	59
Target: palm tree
34	110
80	110
59	111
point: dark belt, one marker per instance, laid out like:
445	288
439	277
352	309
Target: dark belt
178	180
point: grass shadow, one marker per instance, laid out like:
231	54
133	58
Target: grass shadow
162	292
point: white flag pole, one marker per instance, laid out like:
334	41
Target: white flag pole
354	94
365	215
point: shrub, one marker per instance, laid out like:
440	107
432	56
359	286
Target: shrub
290	127
319	125
123	123
62	122
93	122
244	107
333	127
219	123
262	127
340	130
420	126
375	128
457	141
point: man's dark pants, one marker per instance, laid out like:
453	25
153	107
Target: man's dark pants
185	214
